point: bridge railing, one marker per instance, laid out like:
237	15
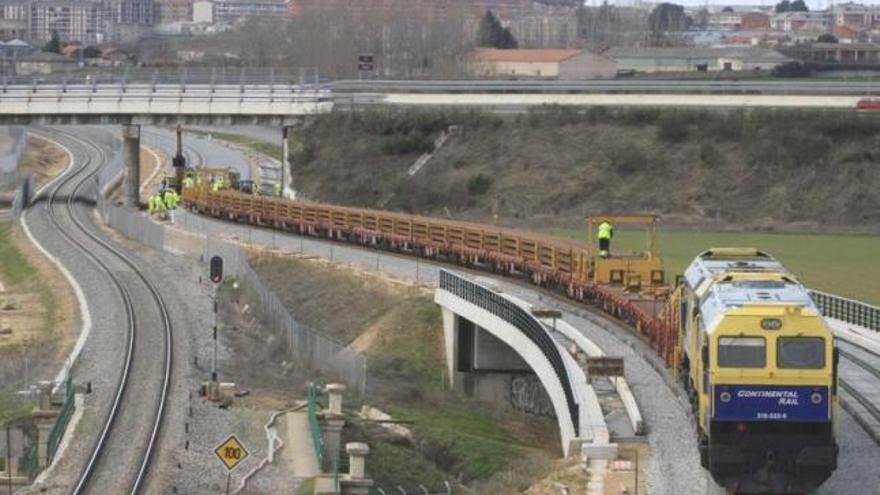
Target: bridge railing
512	313
184	75
848	310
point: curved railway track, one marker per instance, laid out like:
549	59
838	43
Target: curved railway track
60	205
861	397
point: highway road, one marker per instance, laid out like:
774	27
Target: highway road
521	102
616	86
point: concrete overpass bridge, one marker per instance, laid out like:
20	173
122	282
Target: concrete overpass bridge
158	104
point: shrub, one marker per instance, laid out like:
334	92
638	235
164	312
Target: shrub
672	127
791	69
626	158
639	116
479	184
403	144
709	154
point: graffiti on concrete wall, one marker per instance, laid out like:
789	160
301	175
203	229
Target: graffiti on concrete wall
528	395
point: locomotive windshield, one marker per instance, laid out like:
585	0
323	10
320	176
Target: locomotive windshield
800	352
742	352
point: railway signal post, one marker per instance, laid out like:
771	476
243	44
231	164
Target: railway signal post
217	278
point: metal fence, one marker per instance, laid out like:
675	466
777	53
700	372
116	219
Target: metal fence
307	345
67	409
518	317
848	310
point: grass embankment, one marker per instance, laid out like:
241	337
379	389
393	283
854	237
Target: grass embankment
399	328
782	170
14	267
848	265
30	325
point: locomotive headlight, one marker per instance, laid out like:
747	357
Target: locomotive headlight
816	398
725	396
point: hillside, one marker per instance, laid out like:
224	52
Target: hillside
752	170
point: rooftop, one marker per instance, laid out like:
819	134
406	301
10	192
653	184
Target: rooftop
526	55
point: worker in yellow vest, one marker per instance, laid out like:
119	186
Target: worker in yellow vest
188	182
606	232
170	200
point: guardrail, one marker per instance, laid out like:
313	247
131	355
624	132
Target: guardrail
518	317
612	86
848	310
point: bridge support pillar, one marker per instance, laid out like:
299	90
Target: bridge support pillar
131	155
285	154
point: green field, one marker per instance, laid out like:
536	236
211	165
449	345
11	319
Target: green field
848	265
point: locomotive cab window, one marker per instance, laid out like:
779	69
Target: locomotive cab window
800	352
742	352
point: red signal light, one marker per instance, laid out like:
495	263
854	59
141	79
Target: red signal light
741	427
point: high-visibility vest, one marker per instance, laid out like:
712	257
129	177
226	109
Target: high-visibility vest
605	230
151	202
188	182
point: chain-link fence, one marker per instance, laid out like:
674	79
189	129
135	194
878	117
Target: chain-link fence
307	345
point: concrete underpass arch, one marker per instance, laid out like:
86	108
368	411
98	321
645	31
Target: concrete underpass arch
455	307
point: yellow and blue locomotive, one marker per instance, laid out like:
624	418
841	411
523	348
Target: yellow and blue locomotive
760	367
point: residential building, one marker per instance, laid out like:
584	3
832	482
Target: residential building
695	59
800	21
846	34
138	12
203	11
856	16
76	20
229	11
12	30
724	21
171	11
14	10
843	53
754	21
542	63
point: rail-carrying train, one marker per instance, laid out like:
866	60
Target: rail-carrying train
751	346
759	366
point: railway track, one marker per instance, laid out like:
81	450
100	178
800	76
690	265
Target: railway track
862	395
129	426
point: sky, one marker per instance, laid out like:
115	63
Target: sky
813	4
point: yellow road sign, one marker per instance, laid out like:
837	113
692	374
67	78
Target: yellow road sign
231	452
